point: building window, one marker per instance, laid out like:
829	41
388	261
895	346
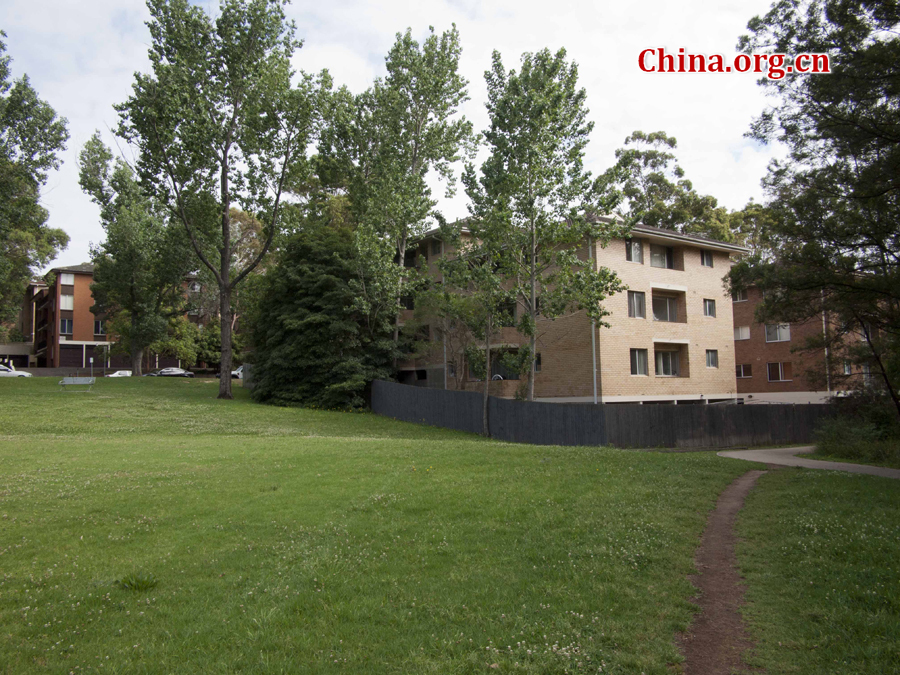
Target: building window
779	372
712	358
848	368
451	369
778	332
709	308
537	362
743	371
664	308
662	256
634	251
99	328
742	332
706	258
639	362
65	326
67	302
739	296
66	279
499	370
407	302
637	305
667	364
435	247
194	287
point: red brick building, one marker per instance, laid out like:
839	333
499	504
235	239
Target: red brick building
769	366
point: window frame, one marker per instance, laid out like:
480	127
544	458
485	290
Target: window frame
632	307
435	247
740	296
674	363
71	326
714	353
635	355
66	279
63	302
630	246
671	304
781	371
669	252
704	256
709	304
779	328
740	331
746	370
99	323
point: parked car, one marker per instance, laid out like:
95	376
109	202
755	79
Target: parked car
10	371
120	373
174	372
152	373
235	374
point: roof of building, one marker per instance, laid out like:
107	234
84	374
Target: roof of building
655	232
83	268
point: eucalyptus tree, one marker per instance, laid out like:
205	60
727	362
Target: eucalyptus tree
392	137
655	191
218	124
141	266
534	199
31	137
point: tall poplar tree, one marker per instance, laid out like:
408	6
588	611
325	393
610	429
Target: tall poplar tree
219	125
141	267
533	197
389	139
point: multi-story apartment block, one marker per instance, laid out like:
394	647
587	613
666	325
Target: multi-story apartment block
773	363
670	338
66	333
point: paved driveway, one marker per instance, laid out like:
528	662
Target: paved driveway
785	457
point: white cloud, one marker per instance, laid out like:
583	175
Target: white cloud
81	58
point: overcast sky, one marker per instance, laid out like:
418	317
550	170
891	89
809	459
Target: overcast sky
81	57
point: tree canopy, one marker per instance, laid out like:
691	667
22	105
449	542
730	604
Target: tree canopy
141	267
220	124
836	199
533	199
31	138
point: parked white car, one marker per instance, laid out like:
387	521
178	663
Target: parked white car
238	374
120	373
10	371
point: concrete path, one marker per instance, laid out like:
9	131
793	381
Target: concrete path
785	457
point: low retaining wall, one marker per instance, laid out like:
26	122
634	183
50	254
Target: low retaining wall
620	425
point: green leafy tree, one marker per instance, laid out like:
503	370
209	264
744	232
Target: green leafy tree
655	192
836	198
140	268
312	344
387	141
219	125
534	201
182	341
31	138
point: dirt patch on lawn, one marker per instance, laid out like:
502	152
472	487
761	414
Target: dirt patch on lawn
715	641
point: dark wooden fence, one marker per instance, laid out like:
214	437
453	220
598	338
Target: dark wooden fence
624	426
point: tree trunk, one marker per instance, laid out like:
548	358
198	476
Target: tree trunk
137	358
225	323
533	309
486	426
402	262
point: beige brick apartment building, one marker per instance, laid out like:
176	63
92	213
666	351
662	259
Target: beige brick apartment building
671	338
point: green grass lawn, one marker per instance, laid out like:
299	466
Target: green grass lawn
825	457
287	540
820	553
